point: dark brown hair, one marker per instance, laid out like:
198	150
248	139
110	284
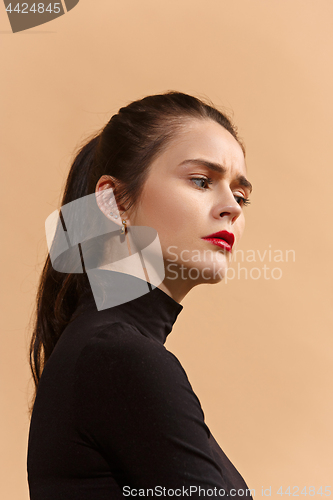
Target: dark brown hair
124	149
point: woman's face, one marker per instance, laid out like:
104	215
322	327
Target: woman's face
195	188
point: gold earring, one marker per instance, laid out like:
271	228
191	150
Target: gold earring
123	227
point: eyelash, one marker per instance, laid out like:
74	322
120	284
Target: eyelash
207	179
243	202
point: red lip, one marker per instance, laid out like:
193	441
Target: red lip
221	237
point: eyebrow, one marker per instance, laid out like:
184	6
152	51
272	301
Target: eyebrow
243	181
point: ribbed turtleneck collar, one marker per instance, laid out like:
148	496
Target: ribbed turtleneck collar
153	313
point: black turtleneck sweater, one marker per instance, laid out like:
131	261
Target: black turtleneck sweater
115	415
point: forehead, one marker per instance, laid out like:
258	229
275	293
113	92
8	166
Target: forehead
204	139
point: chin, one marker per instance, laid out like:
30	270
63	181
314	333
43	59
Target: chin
209	273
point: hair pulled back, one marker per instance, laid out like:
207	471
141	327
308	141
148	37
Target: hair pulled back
124	149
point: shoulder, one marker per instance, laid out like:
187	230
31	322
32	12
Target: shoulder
119	362
121	339
120	348
122	376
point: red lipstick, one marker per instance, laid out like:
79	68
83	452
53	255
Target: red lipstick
222	239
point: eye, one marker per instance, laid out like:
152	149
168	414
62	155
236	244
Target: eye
202	180
242	201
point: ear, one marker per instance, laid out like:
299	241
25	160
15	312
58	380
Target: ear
106	200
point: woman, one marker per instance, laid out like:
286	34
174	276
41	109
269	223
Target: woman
114	413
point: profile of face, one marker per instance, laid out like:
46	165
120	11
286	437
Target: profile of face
195	188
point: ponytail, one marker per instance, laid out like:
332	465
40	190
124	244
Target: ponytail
58	293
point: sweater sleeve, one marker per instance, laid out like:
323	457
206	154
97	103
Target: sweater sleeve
134	404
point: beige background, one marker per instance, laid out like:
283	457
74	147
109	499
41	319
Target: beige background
258	352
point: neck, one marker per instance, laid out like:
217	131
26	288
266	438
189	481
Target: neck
177	288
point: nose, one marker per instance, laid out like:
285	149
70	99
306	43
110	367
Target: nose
228	207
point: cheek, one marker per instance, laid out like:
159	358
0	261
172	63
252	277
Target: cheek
163	208
240	226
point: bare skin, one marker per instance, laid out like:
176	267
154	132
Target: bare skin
179	203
